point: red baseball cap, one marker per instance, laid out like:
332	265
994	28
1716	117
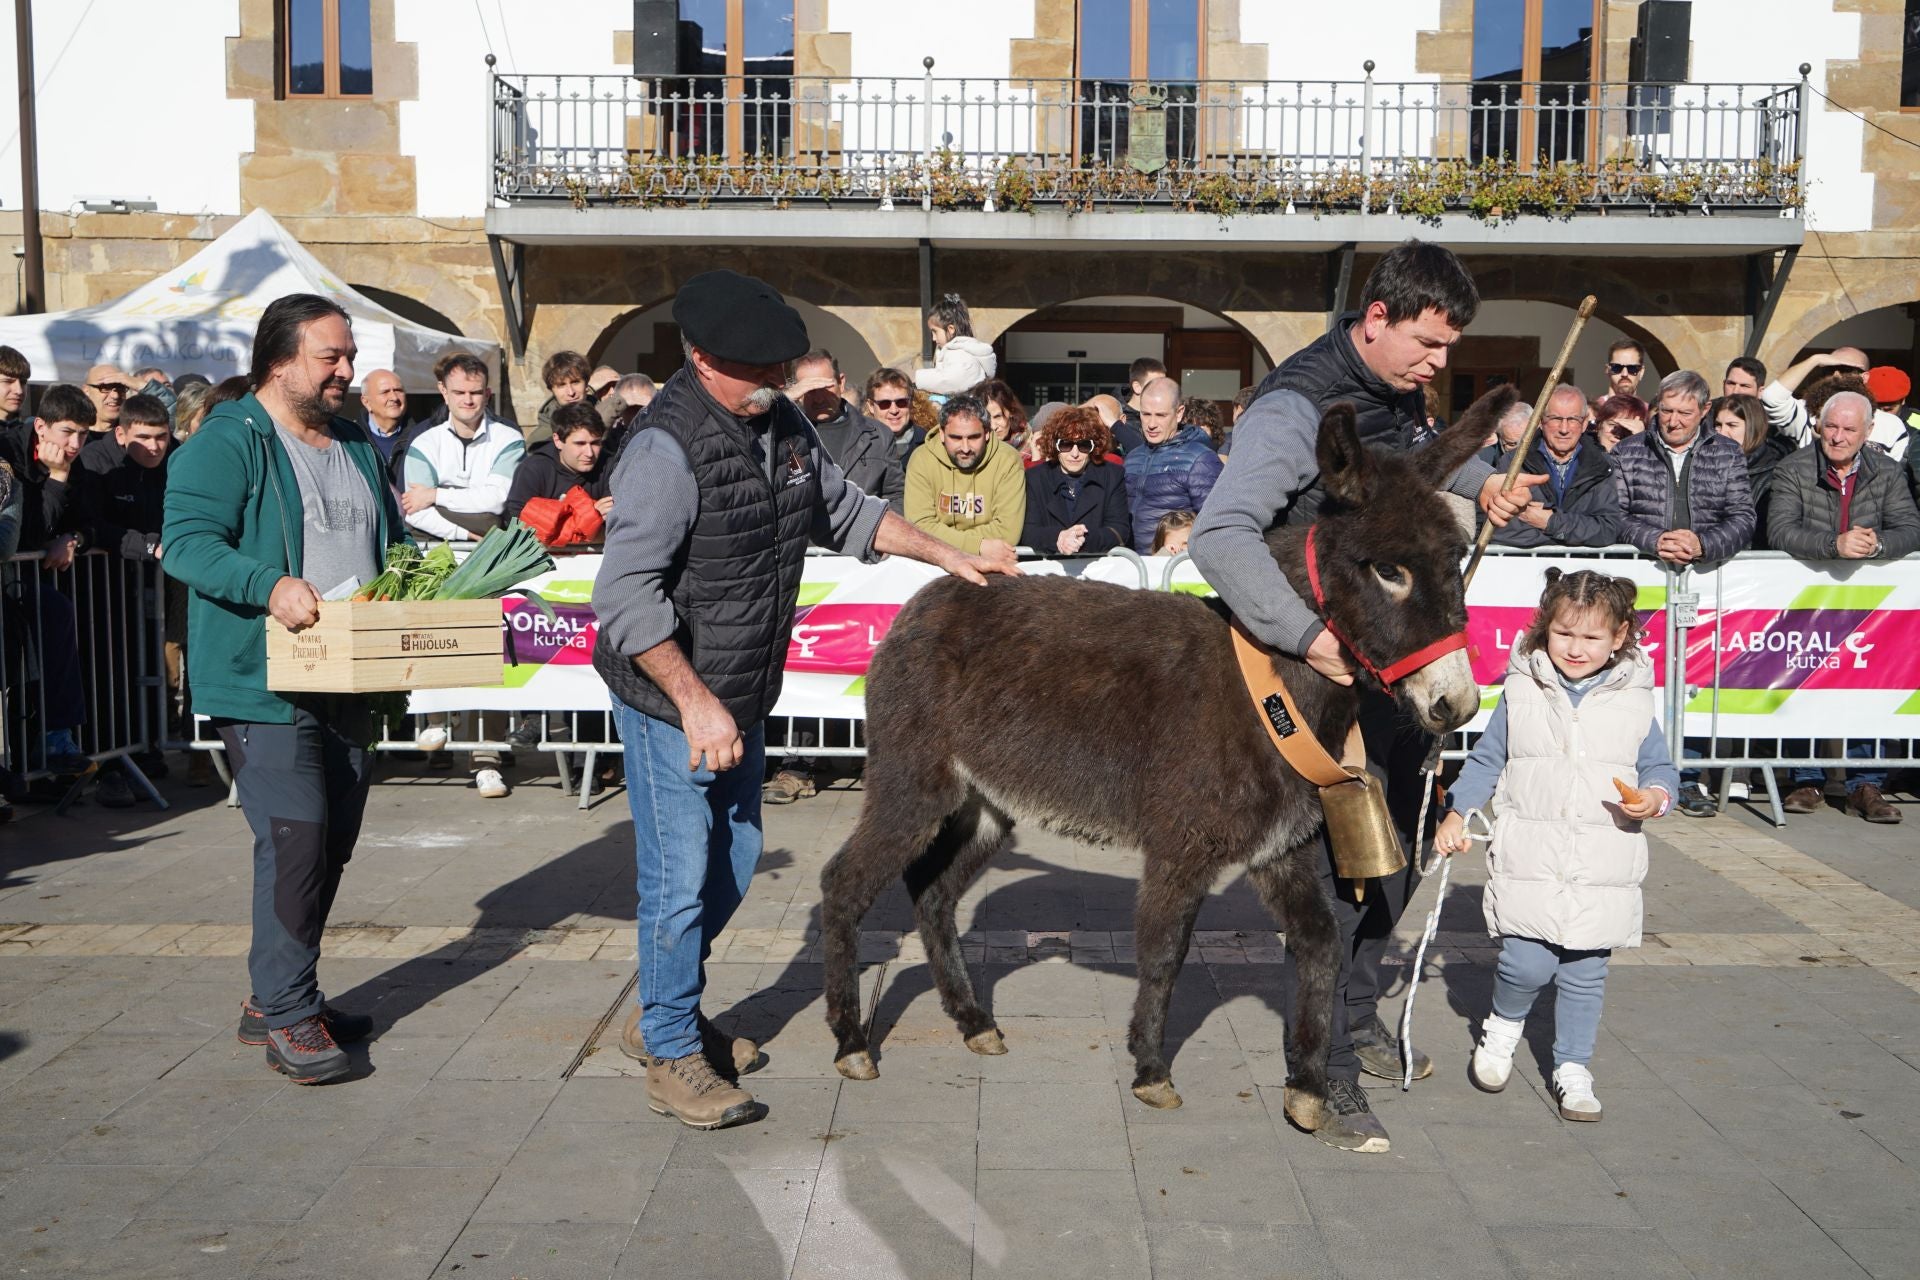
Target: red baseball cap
1888	385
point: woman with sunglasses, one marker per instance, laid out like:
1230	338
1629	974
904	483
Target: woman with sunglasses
1077	496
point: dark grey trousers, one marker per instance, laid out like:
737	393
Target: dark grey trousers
1396	748
303	787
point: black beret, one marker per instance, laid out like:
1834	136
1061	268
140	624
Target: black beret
739	318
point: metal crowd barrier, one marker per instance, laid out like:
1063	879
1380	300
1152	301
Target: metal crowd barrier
112	600
1724	755
83	649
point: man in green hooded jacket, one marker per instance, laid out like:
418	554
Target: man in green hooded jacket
274	502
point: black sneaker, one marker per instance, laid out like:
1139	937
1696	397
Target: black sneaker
345	1028
113	791
525	736
1350	1124
1379	1052
306	1052
1695	802
153	764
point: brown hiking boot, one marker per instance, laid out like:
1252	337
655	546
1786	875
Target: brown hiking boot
692	1092
787	786
1805	799
731	1056
1867	801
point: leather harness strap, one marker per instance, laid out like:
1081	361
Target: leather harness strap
1393	671
1291	736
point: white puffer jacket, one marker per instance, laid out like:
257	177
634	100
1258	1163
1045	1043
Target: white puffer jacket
964	363
1563	866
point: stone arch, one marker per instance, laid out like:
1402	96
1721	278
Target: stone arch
1071	349
644	339
408	308
1863	295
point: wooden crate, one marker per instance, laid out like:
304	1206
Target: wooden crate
362	646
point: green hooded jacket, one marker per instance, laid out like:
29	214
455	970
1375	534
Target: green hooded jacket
233	530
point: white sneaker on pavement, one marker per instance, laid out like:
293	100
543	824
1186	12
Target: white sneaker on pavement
490	784
432	738
1573	1089
1492	1062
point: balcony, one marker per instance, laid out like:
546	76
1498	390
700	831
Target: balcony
1682	168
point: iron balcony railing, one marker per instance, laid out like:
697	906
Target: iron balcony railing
1495	148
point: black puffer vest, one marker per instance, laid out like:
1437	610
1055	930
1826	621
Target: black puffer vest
1327	370
735	581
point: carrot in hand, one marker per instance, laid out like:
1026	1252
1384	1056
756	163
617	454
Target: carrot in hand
1629	795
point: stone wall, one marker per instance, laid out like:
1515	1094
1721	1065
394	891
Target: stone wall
1691	312
321	155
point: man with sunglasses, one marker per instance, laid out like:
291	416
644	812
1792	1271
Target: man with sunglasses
1626	367
889	402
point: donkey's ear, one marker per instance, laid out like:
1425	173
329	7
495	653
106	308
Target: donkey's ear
1469	435
1346	472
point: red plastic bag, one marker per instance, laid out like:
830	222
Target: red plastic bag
547	517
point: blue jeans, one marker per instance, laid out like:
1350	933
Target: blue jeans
1857	749
1527	965
696	841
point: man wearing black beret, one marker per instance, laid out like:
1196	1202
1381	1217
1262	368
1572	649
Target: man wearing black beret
715	501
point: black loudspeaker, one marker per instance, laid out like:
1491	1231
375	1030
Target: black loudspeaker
1662	43
656	37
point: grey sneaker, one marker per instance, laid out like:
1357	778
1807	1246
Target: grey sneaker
1379	1052
1350	1124
306	1052
113	790
345	1028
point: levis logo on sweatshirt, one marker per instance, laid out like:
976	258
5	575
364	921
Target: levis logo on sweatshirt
962	506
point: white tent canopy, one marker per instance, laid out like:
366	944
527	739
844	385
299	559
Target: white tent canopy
200	318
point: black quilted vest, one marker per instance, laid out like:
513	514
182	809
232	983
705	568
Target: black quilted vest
1327	370
735	581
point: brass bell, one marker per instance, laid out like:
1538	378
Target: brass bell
1360	829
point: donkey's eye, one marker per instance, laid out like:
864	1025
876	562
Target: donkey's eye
1391	574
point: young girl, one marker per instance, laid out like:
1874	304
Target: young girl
1575	722
1170	535
964	361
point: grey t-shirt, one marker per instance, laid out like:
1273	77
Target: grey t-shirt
340	513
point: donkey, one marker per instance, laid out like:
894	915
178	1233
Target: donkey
1151	720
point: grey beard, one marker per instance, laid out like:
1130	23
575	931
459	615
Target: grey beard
760	401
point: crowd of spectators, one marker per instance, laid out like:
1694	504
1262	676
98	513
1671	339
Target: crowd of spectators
1820	462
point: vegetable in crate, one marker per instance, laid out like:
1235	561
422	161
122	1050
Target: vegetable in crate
503	558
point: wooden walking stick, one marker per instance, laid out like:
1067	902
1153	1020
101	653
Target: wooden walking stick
1519	462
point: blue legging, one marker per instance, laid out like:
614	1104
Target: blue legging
1581	977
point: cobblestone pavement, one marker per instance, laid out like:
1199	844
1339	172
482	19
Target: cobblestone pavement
1757	1062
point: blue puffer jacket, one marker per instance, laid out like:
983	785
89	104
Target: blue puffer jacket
1174	476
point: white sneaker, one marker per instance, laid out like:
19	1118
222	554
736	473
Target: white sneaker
490	784
1573	1090
1737	791
1492	1062
431	738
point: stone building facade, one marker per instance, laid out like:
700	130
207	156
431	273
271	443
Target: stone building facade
343	178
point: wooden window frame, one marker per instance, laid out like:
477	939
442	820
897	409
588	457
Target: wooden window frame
1137	42
1532	27
330	42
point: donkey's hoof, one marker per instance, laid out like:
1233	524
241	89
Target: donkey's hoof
857	1066
989	1043
1160	1095
1307	1110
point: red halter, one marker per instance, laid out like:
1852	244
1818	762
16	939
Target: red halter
1394	671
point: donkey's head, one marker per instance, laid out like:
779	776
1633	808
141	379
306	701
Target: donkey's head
1387	551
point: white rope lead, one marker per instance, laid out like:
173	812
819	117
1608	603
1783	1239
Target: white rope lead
1433	917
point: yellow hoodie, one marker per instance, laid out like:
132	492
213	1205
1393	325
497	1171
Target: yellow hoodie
965	508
